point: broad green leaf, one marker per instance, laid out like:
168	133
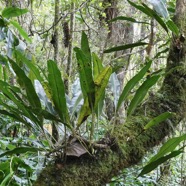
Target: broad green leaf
47	115
14	116
125	47
158	119
7	179
21	150
21	31
101	82
3	60
169	146
57	88
123	18
29	64
160	7
84	113
85	74
2	23
156	17
22	111
173	27
159	53
97	65
30	91
141	93
19	163
13	12
97	69
130	85
152	165
85	47
151	13
139	7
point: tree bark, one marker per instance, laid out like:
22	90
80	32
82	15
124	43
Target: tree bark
128	143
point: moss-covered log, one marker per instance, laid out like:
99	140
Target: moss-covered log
128	143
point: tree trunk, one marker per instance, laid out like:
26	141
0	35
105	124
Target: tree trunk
128	143
70	48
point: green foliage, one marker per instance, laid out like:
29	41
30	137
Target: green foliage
169	146
26	83
21	31
36	99
10	12
125	47
130	85
57	88
158	120
85	73
153	165
21	150
123	18
166	25
162	156
141	92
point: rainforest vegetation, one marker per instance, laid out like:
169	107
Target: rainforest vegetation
92	92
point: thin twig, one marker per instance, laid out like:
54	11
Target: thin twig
64	16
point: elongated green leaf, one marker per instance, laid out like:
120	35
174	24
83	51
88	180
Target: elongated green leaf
146	10
156	17
172	27
31	94
158	119
84	113
13	12
101	82
169	146
139	7
85	47
159	53
21	150
29	64
123	18
21	31
7	179
22	111
97	65
14	116
125	47
151	166
58	92
161	8
46	115
85	74
130	85
141	92
2	23
19	162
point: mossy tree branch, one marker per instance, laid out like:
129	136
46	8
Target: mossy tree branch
128	143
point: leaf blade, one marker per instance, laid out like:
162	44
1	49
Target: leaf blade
10	12
169	146
131	83
21	31
57	88
125	47
141	92
85	74
152	165
158	119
